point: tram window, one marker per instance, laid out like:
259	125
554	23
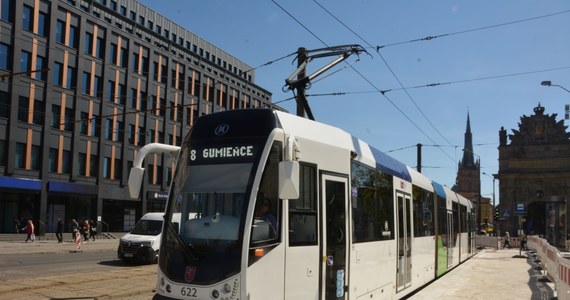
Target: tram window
303	211
372	204
266	223
442	220
423	212
463	218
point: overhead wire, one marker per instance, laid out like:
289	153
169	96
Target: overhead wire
391	71
431	37
362	76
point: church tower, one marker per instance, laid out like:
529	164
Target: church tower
468	179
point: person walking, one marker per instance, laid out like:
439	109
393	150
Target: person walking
85	229
59	231
92	230
30	231
77	240
74	228
16	224
507	240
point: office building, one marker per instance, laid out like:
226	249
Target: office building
85	84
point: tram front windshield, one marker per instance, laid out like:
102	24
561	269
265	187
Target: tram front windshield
202	243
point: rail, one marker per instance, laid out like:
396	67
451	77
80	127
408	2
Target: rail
103	223
555	263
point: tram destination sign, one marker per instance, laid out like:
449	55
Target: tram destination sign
218	154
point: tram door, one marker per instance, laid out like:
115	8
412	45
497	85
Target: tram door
404	216
334	276
450	239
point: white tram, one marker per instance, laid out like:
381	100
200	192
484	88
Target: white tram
267	205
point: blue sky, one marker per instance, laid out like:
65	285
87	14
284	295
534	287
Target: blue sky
489	58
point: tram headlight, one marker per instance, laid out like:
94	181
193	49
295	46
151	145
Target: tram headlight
215	294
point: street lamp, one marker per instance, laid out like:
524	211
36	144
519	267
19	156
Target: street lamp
494	176
549	83
567	107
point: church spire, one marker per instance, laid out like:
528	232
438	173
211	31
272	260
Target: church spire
468	154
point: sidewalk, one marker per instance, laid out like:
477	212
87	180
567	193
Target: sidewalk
492	274
52	246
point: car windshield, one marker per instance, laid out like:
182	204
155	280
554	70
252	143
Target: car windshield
147	227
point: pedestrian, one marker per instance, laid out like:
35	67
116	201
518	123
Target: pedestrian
59	231
85	229
77	234
74	229
93	230
507	240
16	224
523	243
30	231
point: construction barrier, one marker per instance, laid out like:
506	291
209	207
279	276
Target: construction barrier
495	242
555	264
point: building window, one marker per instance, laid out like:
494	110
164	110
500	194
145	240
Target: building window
97	86
39	112
25	61
94	166
100	48
107	167
69	120
57	74
113	5
88	43
20	161
73	37
60	31
131	134
95	126
52	160
4	152
70	77
86	84
119	129
40	71
55	116
66	162
27	18
83	124
6	10
109	129
81	164
118	169
111	90
113	53
43	24
5	105
4	57
122	94
36	159
23	108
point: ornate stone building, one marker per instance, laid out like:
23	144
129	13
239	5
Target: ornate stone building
534	177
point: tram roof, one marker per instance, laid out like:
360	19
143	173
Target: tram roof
331	135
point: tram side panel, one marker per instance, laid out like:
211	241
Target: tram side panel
374	251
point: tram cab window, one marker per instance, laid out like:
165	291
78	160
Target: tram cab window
266	221
303	211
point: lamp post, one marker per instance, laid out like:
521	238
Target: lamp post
549	83
494	176
567	107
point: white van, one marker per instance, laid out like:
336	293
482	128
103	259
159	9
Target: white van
141	244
